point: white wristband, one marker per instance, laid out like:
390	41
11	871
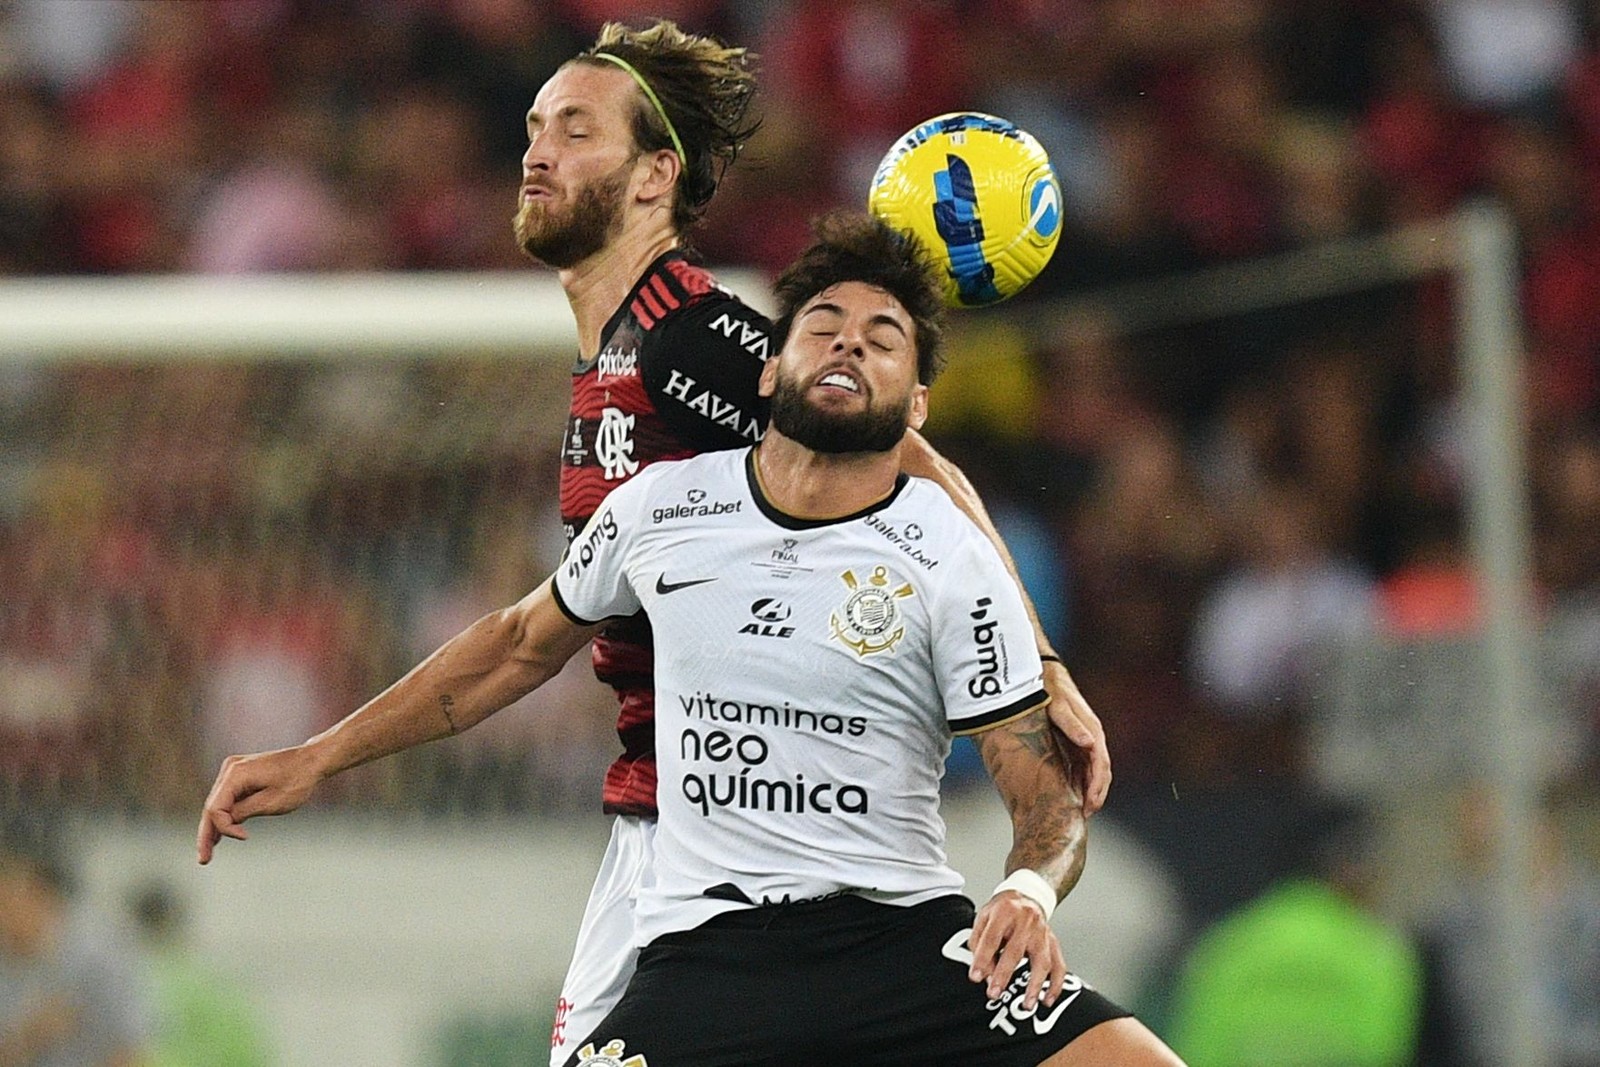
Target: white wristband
1031	885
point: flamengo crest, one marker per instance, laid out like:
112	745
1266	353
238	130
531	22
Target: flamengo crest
613	444
869	619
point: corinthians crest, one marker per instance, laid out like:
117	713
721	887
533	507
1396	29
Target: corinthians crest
608	1056
869	620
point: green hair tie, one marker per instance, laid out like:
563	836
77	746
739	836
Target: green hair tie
683	160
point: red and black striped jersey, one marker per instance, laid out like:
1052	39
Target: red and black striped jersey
676	375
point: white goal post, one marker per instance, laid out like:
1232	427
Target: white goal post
290	316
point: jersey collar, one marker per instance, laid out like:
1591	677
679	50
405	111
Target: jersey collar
791	522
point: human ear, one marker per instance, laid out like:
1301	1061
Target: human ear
919	407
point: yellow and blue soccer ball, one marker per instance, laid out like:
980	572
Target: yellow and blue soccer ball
980	195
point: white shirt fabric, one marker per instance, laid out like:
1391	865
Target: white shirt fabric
809	677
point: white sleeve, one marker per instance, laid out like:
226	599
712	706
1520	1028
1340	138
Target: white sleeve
984	653
592	583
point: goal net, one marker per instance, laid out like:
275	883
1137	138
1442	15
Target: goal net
237	507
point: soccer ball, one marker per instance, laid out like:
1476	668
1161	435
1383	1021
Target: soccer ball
980	195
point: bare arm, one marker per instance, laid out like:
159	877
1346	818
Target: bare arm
1069	711
1049	836
492	663
1049	831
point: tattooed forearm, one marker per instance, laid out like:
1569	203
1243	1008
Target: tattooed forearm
446	704
1049	831
1033	733
1051	838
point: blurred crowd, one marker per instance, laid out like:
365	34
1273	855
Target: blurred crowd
1199	505
203	558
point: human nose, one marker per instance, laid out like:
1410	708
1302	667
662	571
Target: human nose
537	156
849	341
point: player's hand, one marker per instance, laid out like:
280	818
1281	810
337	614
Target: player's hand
268	783
1072	715
1009	928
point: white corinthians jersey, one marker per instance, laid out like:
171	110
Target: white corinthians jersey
809	677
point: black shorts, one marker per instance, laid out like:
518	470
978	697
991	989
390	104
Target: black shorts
841	981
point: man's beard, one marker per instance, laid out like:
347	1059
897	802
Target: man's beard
872	430
595	218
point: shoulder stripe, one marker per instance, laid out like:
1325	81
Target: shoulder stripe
664	278
649	299
642	313
669	299
977	724
696	281
652	303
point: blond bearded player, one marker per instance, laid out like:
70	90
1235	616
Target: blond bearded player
627	143
798	908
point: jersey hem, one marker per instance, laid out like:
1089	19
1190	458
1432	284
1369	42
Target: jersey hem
977	724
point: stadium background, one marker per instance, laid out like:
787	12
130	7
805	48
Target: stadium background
1248	535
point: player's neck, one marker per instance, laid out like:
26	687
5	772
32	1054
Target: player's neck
596	287
806	484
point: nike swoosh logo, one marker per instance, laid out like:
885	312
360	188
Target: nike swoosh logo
664	587
1045	1025
1061	1005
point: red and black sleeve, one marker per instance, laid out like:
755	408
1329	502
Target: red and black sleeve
702	365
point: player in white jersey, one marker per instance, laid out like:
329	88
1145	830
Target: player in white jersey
824	624
798	756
